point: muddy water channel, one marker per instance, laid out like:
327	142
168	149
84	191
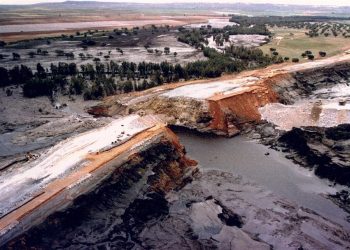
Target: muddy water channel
267	168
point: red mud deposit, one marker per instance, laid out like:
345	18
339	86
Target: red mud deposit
231	111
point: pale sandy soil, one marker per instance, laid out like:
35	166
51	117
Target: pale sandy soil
239	40
321	109
61	159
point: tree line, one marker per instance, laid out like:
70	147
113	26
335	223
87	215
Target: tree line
316	25
95	81
198	38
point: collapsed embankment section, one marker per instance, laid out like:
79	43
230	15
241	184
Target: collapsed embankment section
224	106
79	165
295	85
231	111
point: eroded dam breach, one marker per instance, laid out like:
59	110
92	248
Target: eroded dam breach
224	106
140	160
131	145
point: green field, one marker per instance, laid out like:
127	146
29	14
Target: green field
293	42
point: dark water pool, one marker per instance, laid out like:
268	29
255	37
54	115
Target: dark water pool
266	167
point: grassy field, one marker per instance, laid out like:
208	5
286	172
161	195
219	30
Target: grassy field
293	42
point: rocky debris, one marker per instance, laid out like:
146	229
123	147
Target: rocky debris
125	213
326	150
208	225
312	97
298	85
178	111
267	222
342	199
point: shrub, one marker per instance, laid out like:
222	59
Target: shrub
311	57
322	53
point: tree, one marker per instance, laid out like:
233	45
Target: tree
15	75
40	71
179	71
38	87
295	60
44	53
4	76
311	57
31	54
69	55
100	69
96	59
16	56
9	92
59	52
77	85
25	74
72	69
82	56
166	50
322	53
127	87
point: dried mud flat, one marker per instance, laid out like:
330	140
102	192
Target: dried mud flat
229	212
30	125
133	51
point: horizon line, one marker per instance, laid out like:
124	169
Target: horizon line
174	2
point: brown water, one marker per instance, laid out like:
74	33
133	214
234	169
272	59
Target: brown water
14	28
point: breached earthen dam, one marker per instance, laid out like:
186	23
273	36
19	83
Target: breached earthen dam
78	165
152	162
223	106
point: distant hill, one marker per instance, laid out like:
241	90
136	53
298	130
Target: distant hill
245	8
